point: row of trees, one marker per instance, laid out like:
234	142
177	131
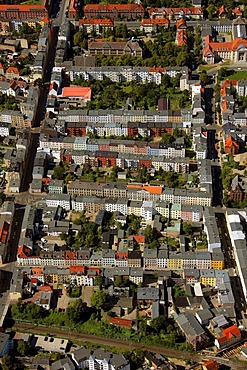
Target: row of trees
107	94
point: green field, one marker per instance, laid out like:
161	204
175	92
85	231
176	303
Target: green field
238	75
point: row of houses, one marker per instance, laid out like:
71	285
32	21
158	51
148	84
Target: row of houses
136	11
140	192
113	145
120	261
123	160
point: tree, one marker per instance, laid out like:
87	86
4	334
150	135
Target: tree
167	138
8	363
58	172
77	312
98	299
121	282
78	38
99	281
148	233
204	77
158	324
187	228
23	348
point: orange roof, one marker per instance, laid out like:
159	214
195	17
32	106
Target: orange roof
76	269
228	46
121	255
157	70
120	322
139	238
22	8
23	251
150	188
77	91
229	142
211	365
158	21
46	20
111	7
46	287
237	12
37	270
181	38
180	22
70	255
231	332
102	22
12	70
168	11
224	106
222	9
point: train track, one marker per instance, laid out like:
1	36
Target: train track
112	342
120	343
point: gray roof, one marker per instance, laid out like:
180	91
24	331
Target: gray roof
189	325
148	293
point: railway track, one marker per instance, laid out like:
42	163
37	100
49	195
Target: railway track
120	343
112	342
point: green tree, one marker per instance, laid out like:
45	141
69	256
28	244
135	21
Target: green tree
167	138
8	363
78	38
204	77
23	348
148	233
77	312
99	281
121	282
98	299
187	228
158	324
58	172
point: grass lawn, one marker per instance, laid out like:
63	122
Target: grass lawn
238	75
206	67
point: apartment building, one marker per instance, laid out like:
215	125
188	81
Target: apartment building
23	11
124	73
114	11
115	48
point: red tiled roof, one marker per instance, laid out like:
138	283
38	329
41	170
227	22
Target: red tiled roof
76	269
211	365
157	70
180	22
120	322
22	8
229	142
23	251
77	91
139	238
222	10
37	270
150	188
231	332
158	21
112	7
181	38
70	255
46	288
121	256
237	12
168	11
13	69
